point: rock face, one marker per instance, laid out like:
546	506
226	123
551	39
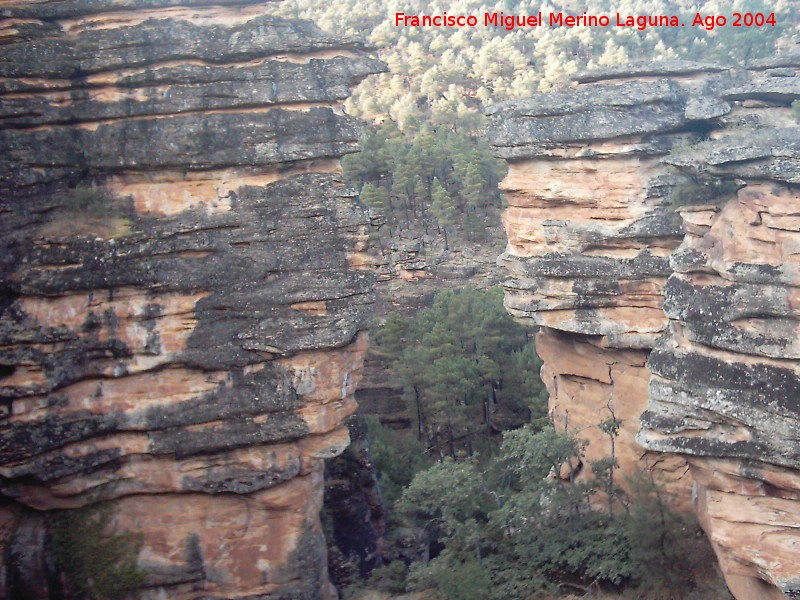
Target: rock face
725	386
601	260
183	308
590	231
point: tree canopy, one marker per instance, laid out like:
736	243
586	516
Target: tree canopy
454	72
513	529
467	369
427	177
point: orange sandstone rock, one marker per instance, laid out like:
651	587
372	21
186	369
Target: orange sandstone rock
597	260
185	332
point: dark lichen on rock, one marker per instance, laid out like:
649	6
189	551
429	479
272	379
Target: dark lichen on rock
184	323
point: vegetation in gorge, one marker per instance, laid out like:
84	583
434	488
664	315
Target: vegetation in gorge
466	369
427	176
512	529
499	521
97	562
397	457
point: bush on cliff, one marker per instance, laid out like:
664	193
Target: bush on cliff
97	562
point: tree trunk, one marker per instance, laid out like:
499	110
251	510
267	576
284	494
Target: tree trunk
420	418
451	441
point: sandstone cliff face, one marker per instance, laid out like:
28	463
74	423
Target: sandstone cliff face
601	260
725	383
590	231
186	338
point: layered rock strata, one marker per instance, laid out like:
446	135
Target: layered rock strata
601	260
590	231
725	385
183	308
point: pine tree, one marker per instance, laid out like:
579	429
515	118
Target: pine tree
450	361
443	208
376	197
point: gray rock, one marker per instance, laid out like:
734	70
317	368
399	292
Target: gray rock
777	89
696	392
758	154
191	141
186	88
60	9
780	72
531	127
714	315
642	69
161	39
785	59
698	109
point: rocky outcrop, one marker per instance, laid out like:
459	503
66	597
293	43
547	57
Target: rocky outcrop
590	231
183	299
726	379
602	261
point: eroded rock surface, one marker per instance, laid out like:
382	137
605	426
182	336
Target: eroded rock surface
183	303
601	260
726	379
590	231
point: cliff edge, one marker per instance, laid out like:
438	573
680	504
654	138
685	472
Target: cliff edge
183	308
651	234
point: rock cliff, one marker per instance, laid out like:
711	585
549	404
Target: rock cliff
725	383
182	293
652	235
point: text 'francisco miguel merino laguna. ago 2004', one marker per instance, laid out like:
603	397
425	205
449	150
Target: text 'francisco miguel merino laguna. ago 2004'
560	19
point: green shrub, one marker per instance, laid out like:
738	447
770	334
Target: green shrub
465	581
390	578
510	531
397	457
664	547
96	562
697	193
